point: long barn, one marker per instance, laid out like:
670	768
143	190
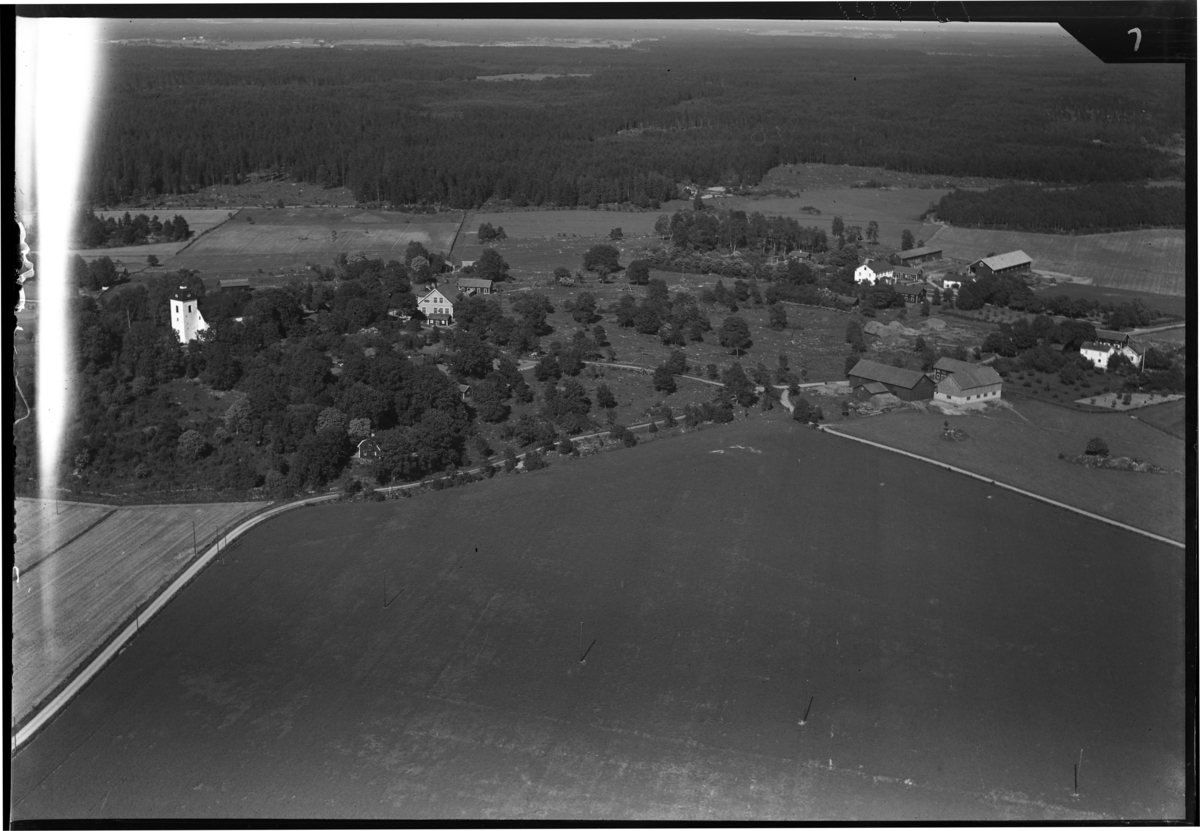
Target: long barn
905	384
1014	262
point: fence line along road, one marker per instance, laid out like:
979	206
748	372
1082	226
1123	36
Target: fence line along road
101	659
1046	499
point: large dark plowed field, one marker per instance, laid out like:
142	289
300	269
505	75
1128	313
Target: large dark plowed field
961	646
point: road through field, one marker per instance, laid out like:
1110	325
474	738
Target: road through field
75	592
421	659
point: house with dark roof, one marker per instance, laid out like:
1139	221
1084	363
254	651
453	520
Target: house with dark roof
970	386
912	292
1014	262
914	256
474	285
905	384
1112	336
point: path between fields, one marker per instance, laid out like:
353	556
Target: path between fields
827	429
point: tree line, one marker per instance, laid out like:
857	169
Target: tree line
1087	209
92	231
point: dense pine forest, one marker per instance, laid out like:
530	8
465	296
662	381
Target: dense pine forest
1089	209
414	125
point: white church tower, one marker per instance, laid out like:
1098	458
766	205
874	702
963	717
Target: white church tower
186	319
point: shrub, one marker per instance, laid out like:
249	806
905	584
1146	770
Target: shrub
653	427
629	439
1097	447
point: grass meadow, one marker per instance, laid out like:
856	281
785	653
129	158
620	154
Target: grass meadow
1170	418
293	238
79	588
1019	446
1150	261
1168	304
639	635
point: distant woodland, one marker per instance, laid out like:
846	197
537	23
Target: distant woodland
412	125
1090	209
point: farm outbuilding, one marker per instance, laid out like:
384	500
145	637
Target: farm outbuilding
912	292
949	366
1111	336
905	384
474	285
1014	262
914	256
970	386
368	449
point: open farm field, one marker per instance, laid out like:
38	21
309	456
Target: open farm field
71	599
294	238
534	259
639	635
1019	445
258	194
553	224
1167	337
1148	261
1170	417
896	211
1168	304
821	176
43	526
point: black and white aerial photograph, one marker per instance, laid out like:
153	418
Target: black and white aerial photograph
535	417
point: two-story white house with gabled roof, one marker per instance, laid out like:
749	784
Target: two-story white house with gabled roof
437	308
873	271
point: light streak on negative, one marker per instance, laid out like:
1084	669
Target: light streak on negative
56	80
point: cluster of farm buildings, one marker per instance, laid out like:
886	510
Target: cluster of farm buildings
952	381
915	286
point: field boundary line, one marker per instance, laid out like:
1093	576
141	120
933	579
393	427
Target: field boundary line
198	236
982	478
101	659
50	554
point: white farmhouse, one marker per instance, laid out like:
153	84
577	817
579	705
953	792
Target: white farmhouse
186	319
437	308
1098	353
875	270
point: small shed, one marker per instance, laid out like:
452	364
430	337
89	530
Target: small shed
368	449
